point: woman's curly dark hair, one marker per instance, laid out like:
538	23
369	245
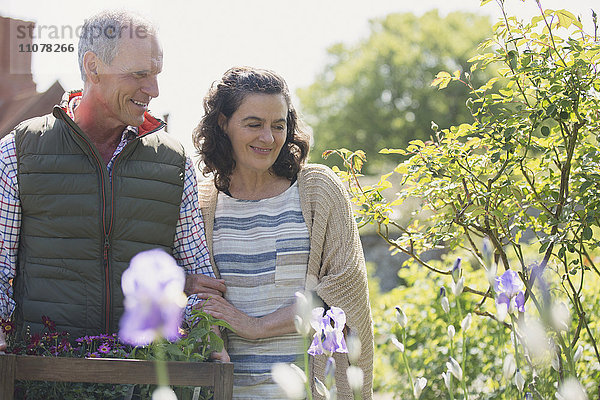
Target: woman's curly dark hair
225	97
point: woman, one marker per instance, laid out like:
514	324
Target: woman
275	226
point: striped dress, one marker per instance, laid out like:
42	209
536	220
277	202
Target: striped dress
261	249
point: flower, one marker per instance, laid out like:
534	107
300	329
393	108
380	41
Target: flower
442	291
445	304
487	251
578	354
451	331
164	393
329	372
561	316
466	322
491	268
154	299
536	341
555	362
8	327
328	339
447	377
401	317
519	381
48	323
458	287
301	326
354	347
509	366
355	377
303	313
104	348
571	389
420	384
397	343
509	287
454	368
456	270
35	339
322	389
65	345
290	378
490	273
536	275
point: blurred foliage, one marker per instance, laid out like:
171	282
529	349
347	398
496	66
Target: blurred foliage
428	344
524	178
377	93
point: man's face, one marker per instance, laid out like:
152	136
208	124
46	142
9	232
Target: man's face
129	82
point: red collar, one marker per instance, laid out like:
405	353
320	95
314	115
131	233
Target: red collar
150	123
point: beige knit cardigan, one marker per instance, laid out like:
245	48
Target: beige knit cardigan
336	266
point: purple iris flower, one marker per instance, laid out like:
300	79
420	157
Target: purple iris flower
154	299
509	288
328	338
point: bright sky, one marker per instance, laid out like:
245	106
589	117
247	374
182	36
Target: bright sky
201	39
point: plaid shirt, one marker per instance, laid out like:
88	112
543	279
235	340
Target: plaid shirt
189	247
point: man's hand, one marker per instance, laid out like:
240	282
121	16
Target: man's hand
2	341
204	286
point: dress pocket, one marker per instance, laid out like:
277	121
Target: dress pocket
292	262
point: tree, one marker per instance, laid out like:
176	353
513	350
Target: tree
377	94
517	192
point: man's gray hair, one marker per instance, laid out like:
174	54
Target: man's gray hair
100	34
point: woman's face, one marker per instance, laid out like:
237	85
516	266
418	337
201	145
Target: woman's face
257	131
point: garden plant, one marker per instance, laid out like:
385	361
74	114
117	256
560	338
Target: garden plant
512	197
149	330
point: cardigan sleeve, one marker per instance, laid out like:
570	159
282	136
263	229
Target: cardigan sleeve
341	271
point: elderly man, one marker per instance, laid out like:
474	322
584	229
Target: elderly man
90	185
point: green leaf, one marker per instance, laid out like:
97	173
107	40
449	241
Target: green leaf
545	130
216	343
441	79
401	169
587	233
585	185
565	18
392	151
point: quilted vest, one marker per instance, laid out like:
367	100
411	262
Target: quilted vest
80	227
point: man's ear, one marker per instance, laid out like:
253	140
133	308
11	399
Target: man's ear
91	62
222	121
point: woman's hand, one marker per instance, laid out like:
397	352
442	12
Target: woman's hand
279	322
221	356
242	324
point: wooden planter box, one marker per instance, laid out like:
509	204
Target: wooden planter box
219	376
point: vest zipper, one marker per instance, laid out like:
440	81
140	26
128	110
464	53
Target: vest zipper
105	232
110	224
107	296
